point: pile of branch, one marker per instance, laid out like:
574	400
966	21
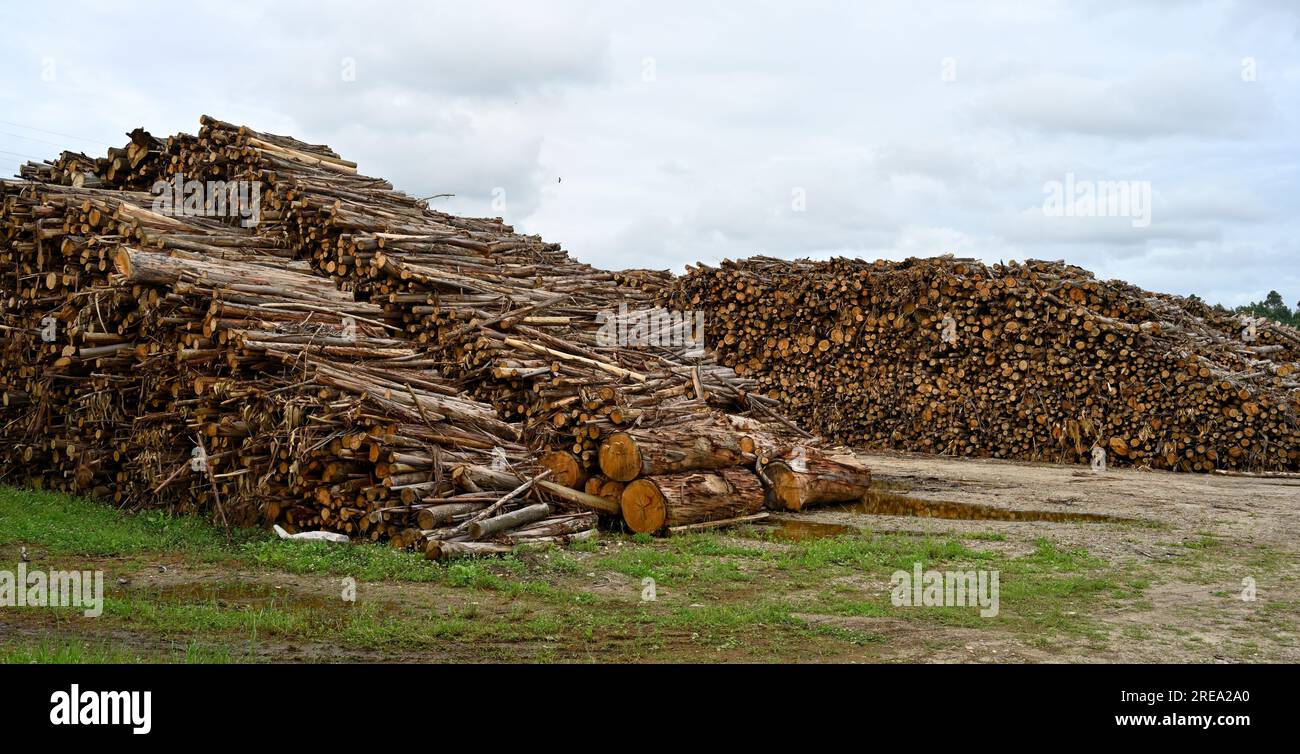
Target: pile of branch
513	320
353	361
1036	361
189	364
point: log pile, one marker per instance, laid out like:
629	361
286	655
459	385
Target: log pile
134	167
512	319
349	360
187	364
1037	361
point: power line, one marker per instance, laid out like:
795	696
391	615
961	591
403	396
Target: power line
55	133
30	138
24	156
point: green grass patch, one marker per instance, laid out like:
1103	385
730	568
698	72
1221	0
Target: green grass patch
66	525
363	561
76	652
872	551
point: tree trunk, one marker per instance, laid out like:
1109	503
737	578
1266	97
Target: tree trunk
812	479
654	504
624	456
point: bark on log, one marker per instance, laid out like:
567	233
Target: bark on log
655	504
624	456
812	479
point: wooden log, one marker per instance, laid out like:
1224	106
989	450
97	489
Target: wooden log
507	521
565	468
812	479
500	479
624	456
433	516
655	504
440	550
718	524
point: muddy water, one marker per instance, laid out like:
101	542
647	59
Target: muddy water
885	500
796	529
229	593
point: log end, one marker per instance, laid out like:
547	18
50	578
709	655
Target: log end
620	459
785	487
565	468
122	261
644	508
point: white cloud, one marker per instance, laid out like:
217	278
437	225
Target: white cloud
657	134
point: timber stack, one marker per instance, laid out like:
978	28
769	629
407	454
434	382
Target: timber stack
349	361
1036	361
512	319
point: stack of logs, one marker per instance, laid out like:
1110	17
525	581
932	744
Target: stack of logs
1036	361
134	167
674	478
183	363
514	320
353	361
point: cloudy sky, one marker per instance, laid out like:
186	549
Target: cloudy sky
657	134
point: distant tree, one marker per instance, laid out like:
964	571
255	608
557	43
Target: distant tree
1274	308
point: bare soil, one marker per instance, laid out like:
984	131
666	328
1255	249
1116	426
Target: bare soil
1194	542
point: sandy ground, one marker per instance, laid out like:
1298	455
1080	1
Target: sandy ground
1193	541
1190	612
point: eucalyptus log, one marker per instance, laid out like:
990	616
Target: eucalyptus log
655	504
624	456
810	479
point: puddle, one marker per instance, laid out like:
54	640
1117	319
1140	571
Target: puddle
240	594
797	529
883	502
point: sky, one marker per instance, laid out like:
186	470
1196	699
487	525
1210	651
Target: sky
663	134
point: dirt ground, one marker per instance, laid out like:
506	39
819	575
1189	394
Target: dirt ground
1183	616
1182	549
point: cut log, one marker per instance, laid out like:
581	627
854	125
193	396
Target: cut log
506	521
812	479
565	468
624	456
652	505
442	550
439	515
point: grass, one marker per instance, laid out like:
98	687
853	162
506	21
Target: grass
68	652
68	526
741	595
65	525
367	562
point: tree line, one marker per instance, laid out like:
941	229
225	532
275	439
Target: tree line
1272	307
